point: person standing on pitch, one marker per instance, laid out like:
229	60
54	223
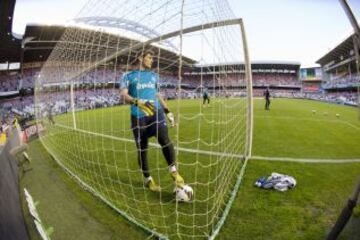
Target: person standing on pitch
267	99
206	97
50	114
148	109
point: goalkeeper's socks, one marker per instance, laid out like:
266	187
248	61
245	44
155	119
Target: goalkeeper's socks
172	168
150	183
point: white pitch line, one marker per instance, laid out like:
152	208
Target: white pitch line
311	119
276	159
351	125
155	144
305	160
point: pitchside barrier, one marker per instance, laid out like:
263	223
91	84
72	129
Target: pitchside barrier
12	223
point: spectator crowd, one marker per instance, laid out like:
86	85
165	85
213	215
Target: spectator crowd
99	88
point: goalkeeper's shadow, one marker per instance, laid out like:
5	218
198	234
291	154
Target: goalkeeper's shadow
167	196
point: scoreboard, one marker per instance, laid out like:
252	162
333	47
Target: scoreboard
308	74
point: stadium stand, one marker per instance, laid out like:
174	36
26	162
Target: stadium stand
342	82
341	79
9	81
105	93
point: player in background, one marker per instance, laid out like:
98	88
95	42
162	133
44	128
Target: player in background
267	99
206	97
148	109
50	114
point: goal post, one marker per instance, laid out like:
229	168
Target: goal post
249	133
248	77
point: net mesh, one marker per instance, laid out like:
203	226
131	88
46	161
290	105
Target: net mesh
88	127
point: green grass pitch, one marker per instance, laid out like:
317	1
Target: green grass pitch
290	129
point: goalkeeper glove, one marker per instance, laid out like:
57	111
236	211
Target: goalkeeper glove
170	117
147	107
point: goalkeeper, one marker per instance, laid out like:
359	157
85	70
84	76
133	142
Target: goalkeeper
148	110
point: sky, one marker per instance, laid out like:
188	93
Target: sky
277	30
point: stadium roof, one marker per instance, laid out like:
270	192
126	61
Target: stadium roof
278	65
9	44
40	41
255	65
263	62
343	49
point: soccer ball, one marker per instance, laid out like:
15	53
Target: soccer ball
184	194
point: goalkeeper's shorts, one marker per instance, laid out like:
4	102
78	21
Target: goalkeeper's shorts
149	126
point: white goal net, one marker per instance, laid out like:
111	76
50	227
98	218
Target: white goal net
200	58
